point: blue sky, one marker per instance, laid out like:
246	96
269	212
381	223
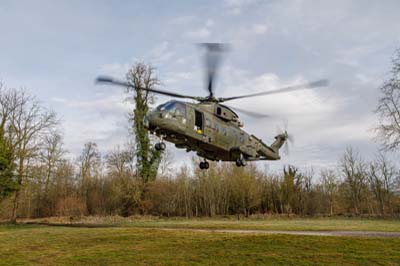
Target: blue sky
55	49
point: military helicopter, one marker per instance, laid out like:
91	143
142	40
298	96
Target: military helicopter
208	127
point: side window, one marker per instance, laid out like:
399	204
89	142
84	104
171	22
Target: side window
208	122
216	127
180	109
218	110
223	130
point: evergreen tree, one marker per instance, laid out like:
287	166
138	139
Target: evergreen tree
7	180
148	158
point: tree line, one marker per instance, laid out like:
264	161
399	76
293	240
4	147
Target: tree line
110	185
37	179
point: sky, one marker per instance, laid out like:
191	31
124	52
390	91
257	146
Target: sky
55	50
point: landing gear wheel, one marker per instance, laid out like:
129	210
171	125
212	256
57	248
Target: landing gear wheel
163	146
160	146
241	162
238	163
204	165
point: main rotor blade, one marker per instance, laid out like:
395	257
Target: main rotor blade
315	84
212	59
249	113
110	80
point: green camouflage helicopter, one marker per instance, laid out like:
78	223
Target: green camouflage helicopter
208	127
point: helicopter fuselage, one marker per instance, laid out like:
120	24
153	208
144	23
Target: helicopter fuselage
211	130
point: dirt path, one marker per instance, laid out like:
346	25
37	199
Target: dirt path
284	232
376	234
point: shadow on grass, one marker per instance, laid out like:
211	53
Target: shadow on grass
79	225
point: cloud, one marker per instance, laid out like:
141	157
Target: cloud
182	20
103	120
236	6
301	103
365	79
351	56
110	105
200	33
209	23
115	69
161	53
357	130
259	28
107	134
174	78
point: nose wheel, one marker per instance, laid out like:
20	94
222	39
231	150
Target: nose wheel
204	165
160	146
241	161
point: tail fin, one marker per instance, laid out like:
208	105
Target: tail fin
272	152
279	141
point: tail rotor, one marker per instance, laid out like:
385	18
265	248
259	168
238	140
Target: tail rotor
289	139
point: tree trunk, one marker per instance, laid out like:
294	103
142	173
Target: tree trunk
17	192
15	208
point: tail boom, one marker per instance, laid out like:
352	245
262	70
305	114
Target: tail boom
272	152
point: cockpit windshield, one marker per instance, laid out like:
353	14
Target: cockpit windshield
173	107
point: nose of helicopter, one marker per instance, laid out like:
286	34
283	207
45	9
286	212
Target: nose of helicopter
162	120
150	121
154	119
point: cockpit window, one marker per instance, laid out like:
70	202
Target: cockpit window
173	107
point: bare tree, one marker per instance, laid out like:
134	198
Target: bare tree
166	167
89	166
184	192
50	155
244	190
382	175
290	190
353	169
388	109
27	122
120	160
329	185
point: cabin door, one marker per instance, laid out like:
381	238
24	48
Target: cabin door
198	122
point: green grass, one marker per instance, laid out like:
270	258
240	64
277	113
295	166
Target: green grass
46	245
295	224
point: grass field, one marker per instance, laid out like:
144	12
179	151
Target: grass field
130	244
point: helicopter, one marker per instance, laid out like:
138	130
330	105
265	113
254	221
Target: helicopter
208	126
